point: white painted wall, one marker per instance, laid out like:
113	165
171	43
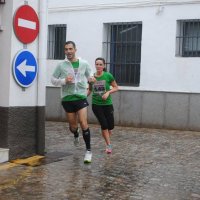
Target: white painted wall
18	97
11	93
160	69
5	57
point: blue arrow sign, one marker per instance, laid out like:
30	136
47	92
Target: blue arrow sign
25	68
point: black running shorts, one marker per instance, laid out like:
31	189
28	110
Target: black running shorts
74	106
105	116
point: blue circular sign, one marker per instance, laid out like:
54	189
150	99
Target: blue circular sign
25	68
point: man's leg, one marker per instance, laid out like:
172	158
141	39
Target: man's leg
73	126
82	114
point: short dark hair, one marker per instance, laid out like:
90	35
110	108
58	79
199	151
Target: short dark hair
71	42
104	62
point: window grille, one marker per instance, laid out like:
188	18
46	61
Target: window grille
122	50
2	1
188	38
56	41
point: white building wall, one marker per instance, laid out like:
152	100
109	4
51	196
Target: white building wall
22	111
161	70
14	95
27	97
5	61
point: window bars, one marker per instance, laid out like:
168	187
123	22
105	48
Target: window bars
2	1
122	48
56	41
188	38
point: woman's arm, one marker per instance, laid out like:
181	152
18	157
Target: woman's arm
114	89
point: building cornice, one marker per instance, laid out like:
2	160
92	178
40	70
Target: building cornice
135	4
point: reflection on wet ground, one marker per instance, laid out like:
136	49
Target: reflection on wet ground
146	164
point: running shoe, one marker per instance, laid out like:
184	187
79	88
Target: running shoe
109	149
88	157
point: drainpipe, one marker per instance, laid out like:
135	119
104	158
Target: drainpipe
41	79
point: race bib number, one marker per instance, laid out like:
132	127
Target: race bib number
99	87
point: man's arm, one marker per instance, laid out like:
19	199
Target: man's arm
57	81
55	78
89	89
88	72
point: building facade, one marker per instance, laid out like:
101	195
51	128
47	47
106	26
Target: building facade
151	47
22	77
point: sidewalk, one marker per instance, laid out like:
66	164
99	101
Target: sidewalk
146	164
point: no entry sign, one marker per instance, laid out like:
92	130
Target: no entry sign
26	24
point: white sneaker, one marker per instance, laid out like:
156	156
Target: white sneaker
76	141
88	157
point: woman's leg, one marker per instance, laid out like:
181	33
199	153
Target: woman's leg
106	136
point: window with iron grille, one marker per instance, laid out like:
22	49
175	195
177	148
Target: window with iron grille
188	38
2	1
122	50
56	41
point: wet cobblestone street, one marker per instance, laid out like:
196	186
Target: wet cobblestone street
146	164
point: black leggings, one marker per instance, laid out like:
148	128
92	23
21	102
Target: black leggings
105	116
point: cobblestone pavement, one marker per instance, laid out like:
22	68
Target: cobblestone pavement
146	164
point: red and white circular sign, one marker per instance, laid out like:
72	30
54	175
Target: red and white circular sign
26	24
